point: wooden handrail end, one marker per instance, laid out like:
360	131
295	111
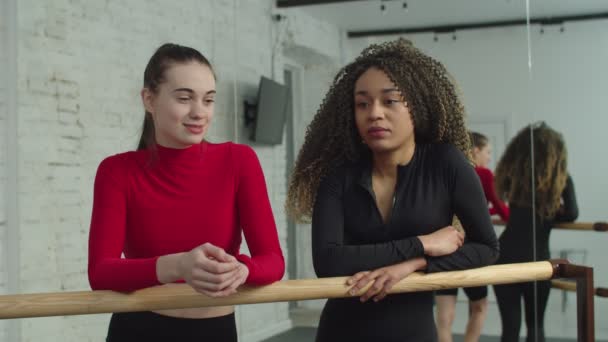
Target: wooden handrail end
601	292
600	226
558	267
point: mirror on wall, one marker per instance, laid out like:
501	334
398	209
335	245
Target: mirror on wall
566	105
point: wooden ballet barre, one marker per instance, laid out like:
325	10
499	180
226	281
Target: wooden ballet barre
563	285
178	296
570	286
596	226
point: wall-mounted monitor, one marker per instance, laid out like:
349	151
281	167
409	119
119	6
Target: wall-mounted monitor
268	115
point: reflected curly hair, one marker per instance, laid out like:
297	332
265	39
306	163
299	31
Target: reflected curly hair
332	138
514	171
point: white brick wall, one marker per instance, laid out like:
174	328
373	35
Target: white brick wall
78	80
316	80
3	115
3	148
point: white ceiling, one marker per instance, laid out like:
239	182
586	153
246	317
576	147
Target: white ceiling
366	15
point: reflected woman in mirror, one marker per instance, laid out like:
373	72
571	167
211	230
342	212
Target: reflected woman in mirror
384	168
482	155
481	150
554	201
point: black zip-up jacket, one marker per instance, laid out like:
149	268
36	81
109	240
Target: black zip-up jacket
349	236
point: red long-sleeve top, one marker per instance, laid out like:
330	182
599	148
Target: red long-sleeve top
498	207
152	203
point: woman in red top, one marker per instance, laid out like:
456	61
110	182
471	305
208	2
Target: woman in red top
478	302
176	209
482	154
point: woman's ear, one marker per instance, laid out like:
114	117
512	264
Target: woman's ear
147	99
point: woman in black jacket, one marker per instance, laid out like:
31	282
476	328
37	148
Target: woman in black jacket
384	168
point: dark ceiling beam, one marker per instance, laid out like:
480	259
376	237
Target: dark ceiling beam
473	26
298	3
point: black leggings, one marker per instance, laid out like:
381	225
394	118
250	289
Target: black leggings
149	326
473	293
509	304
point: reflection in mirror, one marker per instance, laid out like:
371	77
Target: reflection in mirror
531	174
568	77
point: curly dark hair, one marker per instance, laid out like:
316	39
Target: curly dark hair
513	178
332	138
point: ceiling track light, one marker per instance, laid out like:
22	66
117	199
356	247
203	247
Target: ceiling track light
383	6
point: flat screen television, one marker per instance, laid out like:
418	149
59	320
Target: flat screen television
271	110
